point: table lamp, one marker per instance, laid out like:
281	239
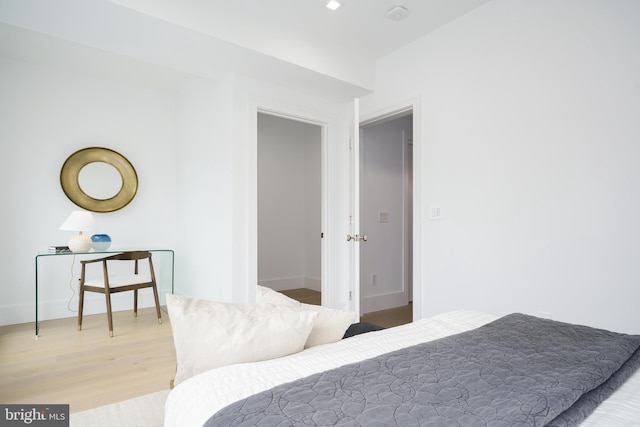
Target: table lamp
79	221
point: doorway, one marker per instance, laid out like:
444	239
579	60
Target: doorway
289	202
386	206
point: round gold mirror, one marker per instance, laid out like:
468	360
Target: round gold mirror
99	179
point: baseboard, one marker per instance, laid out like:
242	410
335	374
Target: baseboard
16	314
61	308
313	283
383	302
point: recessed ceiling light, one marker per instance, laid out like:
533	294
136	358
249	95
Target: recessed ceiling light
333	4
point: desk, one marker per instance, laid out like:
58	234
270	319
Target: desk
63	254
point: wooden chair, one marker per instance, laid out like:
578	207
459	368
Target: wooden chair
111	284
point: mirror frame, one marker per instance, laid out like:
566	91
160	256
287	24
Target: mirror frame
70	172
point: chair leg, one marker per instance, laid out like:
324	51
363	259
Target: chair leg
80	307
155	296
109	317
135	303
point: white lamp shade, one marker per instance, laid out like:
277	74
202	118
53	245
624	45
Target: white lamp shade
79	221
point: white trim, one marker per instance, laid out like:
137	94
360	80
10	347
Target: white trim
407	215
374	303
392	114
354	209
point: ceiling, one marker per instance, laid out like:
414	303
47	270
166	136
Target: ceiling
299	43
359	26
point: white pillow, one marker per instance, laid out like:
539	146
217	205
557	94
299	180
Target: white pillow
330	325
266	295
210	334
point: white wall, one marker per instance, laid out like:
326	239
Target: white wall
529	130
48	114
530	146
288	203
204	159
195	153
192	141
382	187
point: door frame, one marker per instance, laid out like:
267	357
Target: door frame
389	113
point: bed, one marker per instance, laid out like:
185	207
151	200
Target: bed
241	394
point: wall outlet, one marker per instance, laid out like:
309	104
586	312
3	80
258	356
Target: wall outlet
374	279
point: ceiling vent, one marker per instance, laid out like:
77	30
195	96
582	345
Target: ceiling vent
397	13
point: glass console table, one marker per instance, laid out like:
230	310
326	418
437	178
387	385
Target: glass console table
159	275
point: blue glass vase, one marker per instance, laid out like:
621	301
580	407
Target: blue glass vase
100	242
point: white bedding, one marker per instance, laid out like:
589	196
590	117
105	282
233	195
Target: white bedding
193	401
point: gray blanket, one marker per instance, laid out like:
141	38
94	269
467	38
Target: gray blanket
517	371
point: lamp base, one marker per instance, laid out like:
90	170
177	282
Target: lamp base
80	243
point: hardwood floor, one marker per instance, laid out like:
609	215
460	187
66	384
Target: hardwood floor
88	369
387	318
391	317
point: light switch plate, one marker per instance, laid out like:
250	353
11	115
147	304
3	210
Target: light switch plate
435	212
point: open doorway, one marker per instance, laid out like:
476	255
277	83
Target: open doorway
386	206
289	188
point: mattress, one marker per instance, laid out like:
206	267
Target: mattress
193	401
